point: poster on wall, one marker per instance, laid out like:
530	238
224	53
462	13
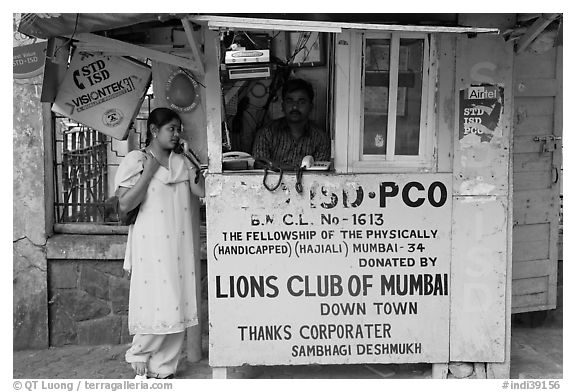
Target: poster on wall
481	108
353	270
103	92
481	142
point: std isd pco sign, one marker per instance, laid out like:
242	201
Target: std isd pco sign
29	60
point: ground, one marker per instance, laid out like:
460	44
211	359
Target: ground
536	353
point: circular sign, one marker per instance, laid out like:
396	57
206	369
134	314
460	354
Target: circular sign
182	91
28	60
112	117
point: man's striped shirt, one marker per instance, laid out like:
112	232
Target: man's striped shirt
275	143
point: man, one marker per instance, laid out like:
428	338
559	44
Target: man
287	140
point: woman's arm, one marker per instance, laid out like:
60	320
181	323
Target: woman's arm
193	171
197	188
130	198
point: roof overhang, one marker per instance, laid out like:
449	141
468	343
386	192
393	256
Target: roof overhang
67	24
236	23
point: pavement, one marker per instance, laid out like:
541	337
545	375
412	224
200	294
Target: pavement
536	353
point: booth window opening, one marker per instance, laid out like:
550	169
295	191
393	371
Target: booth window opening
394	98
254	67
85	163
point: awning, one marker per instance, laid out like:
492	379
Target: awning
227	22
55	25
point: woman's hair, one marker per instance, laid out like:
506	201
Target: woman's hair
159	117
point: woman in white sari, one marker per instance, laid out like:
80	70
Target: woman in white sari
160	247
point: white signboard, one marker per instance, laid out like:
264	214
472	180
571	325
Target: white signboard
356	269
103	92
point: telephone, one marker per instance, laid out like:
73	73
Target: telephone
237	160
308	163
235	155
179	148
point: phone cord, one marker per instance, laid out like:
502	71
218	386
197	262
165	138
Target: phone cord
299	173
266	176
198	171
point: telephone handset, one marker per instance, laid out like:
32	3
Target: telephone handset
263	163
236	155
179	149
309	164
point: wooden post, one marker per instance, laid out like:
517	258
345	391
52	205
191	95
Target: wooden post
105	44
440	370
219	372
497	370
194	334
48	133
446	101
535	29
341	96
54	73
212	82
213	101
482	234
480	370
193	45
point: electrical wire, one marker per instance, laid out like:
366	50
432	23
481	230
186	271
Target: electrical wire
251	40
70	39
191	76
300	45
254	121
308	53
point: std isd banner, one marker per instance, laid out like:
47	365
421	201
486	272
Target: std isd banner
28	60
103	92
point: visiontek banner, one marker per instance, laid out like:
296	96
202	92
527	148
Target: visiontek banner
356	269
103	92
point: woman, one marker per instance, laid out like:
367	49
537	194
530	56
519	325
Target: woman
160	247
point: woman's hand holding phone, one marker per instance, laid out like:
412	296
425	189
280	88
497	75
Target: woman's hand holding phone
188	152
184	147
